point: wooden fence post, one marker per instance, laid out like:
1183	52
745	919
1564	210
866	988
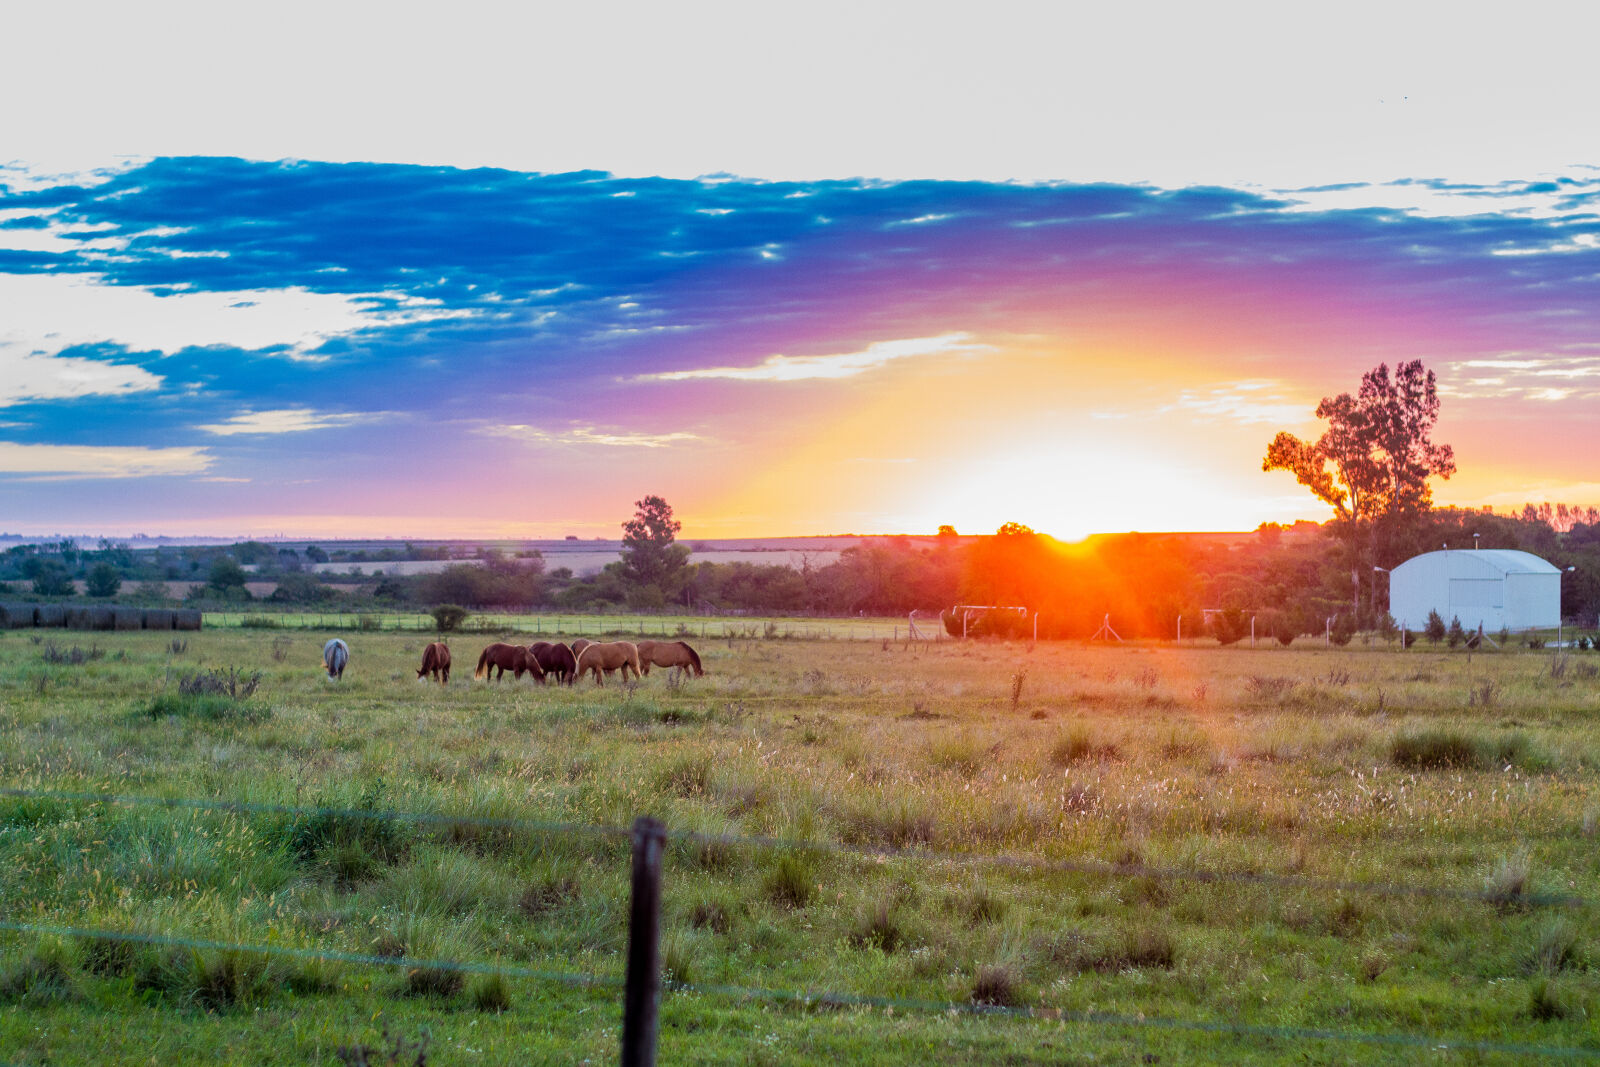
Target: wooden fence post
641	995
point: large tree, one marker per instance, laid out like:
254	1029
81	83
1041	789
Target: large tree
1380	455
649	557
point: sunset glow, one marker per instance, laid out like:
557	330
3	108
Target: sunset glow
197	340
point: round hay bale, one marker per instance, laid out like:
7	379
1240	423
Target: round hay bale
186	619
127	618
50	615
77	617
158	618
17	616
102	617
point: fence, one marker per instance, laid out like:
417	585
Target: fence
641	984
493	622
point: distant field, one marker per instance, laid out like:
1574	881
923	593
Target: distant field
1258	855
533	627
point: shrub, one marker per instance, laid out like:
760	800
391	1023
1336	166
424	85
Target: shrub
1343	629
878	927
1455	635
232	683
448	617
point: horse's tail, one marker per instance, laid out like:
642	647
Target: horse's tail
483	660
694	659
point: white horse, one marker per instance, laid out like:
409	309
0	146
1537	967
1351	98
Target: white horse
335	654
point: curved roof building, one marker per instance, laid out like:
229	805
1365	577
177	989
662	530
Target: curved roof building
1494	587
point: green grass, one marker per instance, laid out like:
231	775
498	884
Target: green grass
1309	768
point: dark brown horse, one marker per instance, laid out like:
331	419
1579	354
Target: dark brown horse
674	654
436	662
512	658
555	659
608	657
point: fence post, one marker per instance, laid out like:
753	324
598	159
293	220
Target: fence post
641	995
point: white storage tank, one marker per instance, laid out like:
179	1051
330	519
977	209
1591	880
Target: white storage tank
1498	587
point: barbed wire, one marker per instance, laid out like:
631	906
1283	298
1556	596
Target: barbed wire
817	998
875	852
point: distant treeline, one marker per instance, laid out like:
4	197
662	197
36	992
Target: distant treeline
1299	577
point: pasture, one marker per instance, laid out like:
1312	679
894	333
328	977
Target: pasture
1246	853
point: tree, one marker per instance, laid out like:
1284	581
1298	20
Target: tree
648	555
1381	456
104	580
52	579
227	578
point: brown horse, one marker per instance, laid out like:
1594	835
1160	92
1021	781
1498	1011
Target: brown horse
608	657
674	654
579	645
556	659
436	661
512	658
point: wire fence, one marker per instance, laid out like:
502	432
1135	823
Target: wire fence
804	997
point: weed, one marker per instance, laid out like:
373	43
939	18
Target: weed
1437	748
791	882
1372	964
997	985
552	893
178	646
43	976
1269	690
961	753
397	1048
1544	1001
73	657
1507	885
979	904
231	683
1016	687
1555	951
441	982
1078	745
280	648
224	979
688	776
1482	694
111	957
491	993
711	913
879	927
678	957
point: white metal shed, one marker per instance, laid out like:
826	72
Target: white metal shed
1498	587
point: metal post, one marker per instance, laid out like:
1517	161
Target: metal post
641	995
1180	629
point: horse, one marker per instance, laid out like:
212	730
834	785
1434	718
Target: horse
674	654
436	661
512	658
556	659
608	657
335	654
579	645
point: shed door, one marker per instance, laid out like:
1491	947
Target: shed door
1477	593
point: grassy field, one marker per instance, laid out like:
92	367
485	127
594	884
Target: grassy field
536	627
1246	845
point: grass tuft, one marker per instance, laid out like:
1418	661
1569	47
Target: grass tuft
491	993
791	882
997	985
878	927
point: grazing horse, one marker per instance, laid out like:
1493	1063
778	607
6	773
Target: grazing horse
436	661
674	654
579	645
556	659
512	658
335	654
608	657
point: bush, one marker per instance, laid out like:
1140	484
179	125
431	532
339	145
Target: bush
448	617
1343	629
1456	634
1436	749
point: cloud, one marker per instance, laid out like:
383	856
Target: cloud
588	436
283	420
780	368
1246	403
92	461
31	376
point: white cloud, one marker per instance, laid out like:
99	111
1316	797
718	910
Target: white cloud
282	420
95	461
584	435
46	313
781	368
35	376
1239	404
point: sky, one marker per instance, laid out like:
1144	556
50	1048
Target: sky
355	271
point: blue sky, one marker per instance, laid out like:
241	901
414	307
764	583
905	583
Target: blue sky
216	321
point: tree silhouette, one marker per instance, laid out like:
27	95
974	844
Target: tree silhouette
1381	457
